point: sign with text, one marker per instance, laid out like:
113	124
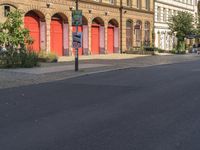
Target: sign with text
77	40
77	17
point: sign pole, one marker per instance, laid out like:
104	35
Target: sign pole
76	51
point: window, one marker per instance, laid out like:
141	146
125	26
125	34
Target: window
138	31
139	4
148	5
111	1
170	15
158	14
175	12
129	34
6	10
147	34
164	15
129	3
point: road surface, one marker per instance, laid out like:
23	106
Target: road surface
151	108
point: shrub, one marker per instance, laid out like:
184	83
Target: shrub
161	51
13	58
178	52
29	60
47	57
149	48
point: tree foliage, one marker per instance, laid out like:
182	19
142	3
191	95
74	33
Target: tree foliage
182	25
14	38
12	33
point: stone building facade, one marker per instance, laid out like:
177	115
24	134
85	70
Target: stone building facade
164	9
109	26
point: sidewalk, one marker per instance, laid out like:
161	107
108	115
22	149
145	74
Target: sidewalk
49	72
101	57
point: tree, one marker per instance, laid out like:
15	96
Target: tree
14	37
12	33
181	25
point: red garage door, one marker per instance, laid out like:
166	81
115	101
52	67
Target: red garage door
57	37
110	40
32	22
95	39
80	50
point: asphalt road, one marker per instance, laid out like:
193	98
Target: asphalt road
153	108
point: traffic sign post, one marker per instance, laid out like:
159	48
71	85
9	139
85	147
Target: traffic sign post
77	36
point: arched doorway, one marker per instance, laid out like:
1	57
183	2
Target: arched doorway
112	36
85	38
59	34
138	32
97	36
34	21
129	34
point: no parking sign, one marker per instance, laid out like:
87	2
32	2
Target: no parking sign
77	40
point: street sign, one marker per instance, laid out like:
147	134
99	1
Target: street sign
77	40
77	17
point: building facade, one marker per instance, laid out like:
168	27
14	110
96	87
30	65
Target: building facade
164	9
109	26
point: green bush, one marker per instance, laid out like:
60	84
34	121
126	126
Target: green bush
148	48
13	58
29	60
178	52
47	57
161	51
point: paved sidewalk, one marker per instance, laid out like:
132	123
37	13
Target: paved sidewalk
53	69
102	57
49	72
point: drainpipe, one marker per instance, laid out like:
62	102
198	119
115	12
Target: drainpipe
120	9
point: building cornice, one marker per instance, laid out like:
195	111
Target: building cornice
170	4
117	6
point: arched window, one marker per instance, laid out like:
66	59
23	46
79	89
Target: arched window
129	34
138	32
5	9
147	34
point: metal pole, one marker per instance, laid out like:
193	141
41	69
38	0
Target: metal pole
76	51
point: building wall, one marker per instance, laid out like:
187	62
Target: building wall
163	38
91	9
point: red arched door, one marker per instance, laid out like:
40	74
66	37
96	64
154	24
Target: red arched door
110	39
57	37
32	23
80	29
95	36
